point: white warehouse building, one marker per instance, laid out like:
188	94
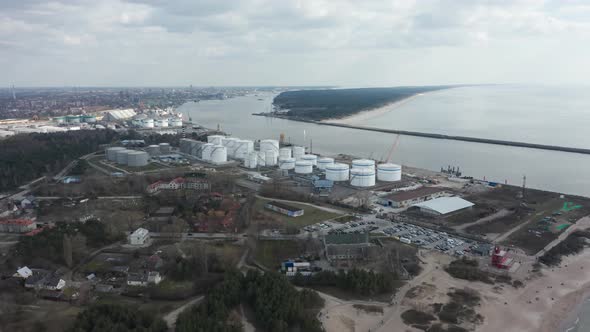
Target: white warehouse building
139	237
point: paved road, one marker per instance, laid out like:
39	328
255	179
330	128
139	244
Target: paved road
582	223
303	203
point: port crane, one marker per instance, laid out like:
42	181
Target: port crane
392	149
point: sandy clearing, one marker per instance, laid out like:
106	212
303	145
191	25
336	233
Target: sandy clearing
366	115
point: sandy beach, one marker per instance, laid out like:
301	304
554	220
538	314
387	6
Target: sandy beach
547	303
365	115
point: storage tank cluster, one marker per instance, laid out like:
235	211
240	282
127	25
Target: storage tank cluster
142	121
303	167
191	147
123	156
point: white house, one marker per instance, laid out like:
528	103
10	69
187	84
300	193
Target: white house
23	272
139	237
143	279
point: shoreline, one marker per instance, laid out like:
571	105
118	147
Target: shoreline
371	113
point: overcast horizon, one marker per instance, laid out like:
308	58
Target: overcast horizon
292	43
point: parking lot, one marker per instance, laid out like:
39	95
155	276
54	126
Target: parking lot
401	231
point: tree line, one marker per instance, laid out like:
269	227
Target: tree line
26	157
277	305
356	281
112	317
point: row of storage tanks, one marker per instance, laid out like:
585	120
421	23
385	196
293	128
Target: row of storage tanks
75	119
159	149
123	156
361	173
157	123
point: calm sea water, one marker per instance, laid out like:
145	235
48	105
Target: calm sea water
558	116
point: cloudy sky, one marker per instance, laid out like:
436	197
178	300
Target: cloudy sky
293	42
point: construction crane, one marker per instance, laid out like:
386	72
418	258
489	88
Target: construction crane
393	146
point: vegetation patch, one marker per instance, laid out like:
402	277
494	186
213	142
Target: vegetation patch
356	282
572	245
415	317
468	269
271	253
110	317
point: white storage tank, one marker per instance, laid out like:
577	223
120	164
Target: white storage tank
215	139
219	154
161	123
270	158
364	163
323	162
261	158
303	167
252	160
165	148
137	158
269	145
153	150
311	158
298	152
337	172
285	153
286	163
207	148
122	156
243	148
148	123
231	145
175	122
362	177
389	172
111	153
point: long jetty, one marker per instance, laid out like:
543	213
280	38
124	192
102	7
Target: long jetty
439	136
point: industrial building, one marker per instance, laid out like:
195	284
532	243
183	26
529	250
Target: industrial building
17	225
443	206
139	237
119	115
402	199
291	267
179	183
346	247
285	209
143	279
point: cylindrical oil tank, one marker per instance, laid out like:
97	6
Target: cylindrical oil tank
364	163
337	172
175	122
196	149
219	154
111	153
243	148
311	158
137	158
285	153
88	118
73	119
362	177
298	152
270	158
231	145
122	156
148	123
153	150
59	119
286	163
206	151
215	139
389	172
161	123
164	148
269	145
252	160
303	167
323	162
261	158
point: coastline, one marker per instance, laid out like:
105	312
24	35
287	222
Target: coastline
368	114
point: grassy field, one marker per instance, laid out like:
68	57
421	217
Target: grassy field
310	216
271	253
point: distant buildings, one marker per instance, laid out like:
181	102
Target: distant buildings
291	267
179	184
17	226
139	237
402	199
285	209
